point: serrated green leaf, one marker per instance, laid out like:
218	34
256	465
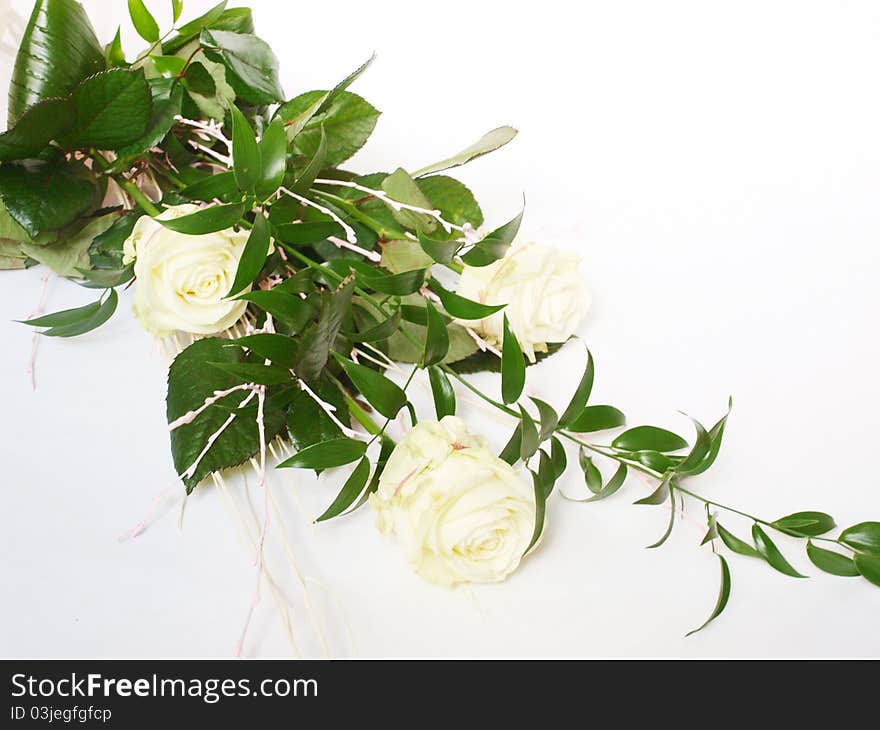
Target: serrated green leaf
110	110
767	548
167	99
400	187
454	200
318	340
207	220
58	50
723	596
307	177
249	372
251	65
831	562
596	418
38	126
188	31
44	196
513	366
144	22
190	383
489	142
350	491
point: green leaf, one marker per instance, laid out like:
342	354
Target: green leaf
249	372
658	496
558	457
669	525
716	433
592	475
326	454
831	562
404	255
694	460
712	532
864	537
649	438
510	453
207	220
771	554
308	423
245	152
461	308
440	251
251	66
581	395
441	389
869	567
44	196
381	393
381	331
144	23
273	157
253	257
407	282
285	306
169	66
529	440
58	50
495	245
319	338
547	417
436	337
190	383
211	187
304	234
352	488
546	472
614	484
176	9
723	596
106	278
513	366
661	463
115	54
540	510
73	322
454	200
110	110
280	349
38	126
188	31
802	524
735	544
596	418
106	251
307	177
71	254
167	98
401	188
348	122
489	142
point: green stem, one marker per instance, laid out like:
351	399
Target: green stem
141	199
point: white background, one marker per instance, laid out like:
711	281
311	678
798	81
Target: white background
716	165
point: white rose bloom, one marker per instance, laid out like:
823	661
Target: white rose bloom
544	292
182	280
463	514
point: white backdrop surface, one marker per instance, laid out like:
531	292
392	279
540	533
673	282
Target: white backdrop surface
717	167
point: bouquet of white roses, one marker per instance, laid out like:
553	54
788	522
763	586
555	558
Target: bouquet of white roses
190	175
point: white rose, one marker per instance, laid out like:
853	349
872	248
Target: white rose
463	514
544	292
182	280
